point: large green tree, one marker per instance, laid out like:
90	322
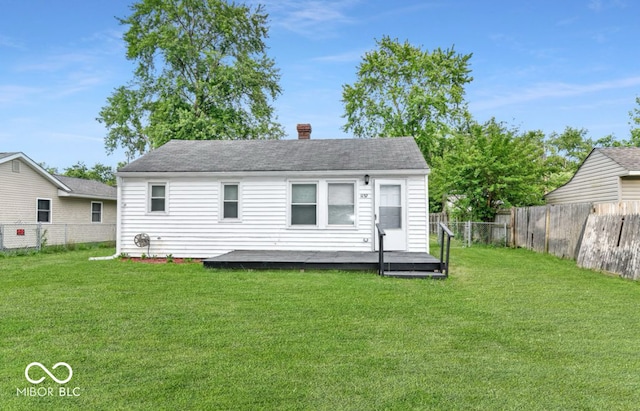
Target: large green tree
488	166
402	90
202	72
634	122
98	172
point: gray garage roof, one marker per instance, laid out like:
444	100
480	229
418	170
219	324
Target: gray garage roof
627	157
398	153
88	188
3	155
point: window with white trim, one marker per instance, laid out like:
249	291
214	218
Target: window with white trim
341	204
157	197
43	210
230	201
96	212
304	205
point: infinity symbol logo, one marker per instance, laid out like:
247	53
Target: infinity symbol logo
26	373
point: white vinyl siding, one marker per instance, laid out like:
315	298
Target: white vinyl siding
417	214
195	228
19	193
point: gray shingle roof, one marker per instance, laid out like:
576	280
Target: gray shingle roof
627	157
398	153
90	188
3	155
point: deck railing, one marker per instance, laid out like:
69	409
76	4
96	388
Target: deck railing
381	235
444	248
444	258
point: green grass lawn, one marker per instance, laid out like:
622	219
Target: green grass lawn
510	329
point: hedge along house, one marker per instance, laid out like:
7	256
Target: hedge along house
205	198
607	175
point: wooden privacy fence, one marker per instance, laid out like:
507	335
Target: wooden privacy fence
553	229
611	243
598	236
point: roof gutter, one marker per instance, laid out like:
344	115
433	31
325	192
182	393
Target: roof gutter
62	193
156	174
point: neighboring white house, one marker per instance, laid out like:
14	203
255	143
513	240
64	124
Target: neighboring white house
607	175
205	198
71	210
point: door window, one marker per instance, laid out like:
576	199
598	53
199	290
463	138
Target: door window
390	206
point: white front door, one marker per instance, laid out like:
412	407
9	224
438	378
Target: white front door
390	213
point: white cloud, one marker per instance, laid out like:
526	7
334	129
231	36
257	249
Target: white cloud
346	57
78	82
10	43
543	91
600	5
12	94
312	18
57	62
73	137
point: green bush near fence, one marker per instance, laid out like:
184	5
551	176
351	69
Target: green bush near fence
510	329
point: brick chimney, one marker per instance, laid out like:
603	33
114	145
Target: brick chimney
304	131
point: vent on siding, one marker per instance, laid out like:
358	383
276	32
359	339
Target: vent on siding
15	166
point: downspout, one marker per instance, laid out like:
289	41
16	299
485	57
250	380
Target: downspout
109	257
118	219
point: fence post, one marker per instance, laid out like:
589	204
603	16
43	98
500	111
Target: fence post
547	228
506	239
38	238
1	241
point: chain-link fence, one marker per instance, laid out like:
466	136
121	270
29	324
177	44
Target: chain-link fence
35	236
469	233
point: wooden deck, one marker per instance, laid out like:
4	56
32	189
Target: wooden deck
397	263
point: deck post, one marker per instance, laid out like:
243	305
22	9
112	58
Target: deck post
444	264
381	235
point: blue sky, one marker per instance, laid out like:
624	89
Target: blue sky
537	64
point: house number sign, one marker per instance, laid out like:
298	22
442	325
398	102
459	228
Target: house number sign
364	195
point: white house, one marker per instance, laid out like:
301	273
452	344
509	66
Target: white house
71	210
205	198
607	175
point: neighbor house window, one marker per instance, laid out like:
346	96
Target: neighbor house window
157	200
44	210
230	201
341	204
96	212
303	204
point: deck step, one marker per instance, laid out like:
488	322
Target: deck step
415	274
